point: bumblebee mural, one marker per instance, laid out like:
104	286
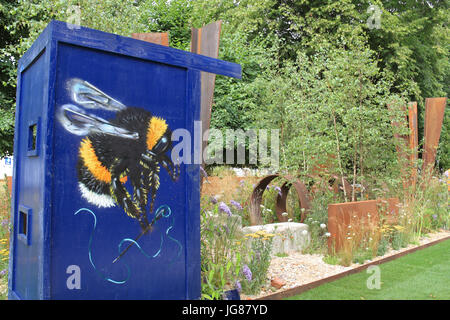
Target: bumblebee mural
130	147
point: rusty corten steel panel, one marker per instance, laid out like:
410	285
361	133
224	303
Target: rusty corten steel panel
360	215
434	116
206	41
161	38
413	139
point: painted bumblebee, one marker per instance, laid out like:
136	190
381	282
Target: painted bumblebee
129	148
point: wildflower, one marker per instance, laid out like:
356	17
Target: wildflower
225	209
247	272
323	225
203	172
242	183
284	214
289	220
434	216
305	232
236	204
3	272
327	234
278	189
238	286
213	200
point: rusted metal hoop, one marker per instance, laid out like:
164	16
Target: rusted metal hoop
260	187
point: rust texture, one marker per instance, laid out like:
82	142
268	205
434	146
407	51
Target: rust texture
260	187
434	116
205	41
161	38
413	140
360	215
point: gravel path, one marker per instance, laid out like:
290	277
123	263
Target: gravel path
298	269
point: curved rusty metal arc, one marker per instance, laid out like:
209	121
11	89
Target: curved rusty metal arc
260	187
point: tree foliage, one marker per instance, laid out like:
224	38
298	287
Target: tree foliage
297	56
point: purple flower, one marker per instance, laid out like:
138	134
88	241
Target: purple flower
236	204
3	272
4	222
247	272
277	188
213	200
203	172
238	286
242	183
434	216
224	208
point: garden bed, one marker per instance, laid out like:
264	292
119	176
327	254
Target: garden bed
302	272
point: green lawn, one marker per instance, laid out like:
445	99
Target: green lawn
422	275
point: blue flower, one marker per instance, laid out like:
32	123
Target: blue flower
247	272
238	286
236	204
203	172
213	200
278	189
225	209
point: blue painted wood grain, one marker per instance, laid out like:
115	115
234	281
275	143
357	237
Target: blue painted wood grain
164	81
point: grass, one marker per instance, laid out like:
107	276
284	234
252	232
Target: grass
422	275
4	238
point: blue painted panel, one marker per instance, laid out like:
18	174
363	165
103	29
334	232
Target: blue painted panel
161	90
28	199
94	112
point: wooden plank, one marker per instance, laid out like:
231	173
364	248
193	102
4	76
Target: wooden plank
205	41
99	40
161	38
434	117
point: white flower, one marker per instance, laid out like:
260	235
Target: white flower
284	214
289	220
323	225
305	232
327	234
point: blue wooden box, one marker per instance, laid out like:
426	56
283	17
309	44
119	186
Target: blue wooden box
100	208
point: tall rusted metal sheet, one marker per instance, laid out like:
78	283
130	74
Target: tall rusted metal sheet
362	217
434	117
205	41
413	139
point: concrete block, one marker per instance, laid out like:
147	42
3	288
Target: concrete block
289	236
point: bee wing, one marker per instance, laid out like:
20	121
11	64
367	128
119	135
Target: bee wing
76	121
91	97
